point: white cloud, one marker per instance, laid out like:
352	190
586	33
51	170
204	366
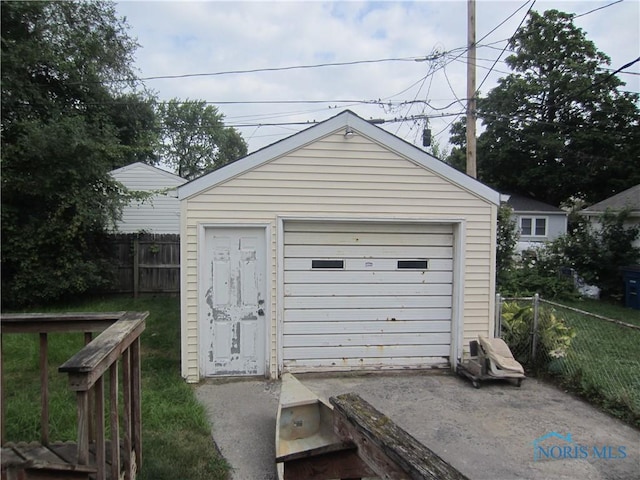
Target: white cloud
184	37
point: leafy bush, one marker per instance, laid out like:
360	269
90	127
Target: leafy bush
507	237
598	253
535	273
554	336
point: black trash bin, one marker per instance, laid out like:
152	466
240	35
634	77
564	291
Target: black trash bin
631	277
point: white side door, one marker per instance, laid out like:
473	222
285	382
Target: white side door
233	309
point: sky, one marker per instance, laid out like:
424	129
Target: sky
389	48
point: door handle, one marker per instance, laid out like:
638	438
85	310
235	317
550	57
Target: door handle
261	312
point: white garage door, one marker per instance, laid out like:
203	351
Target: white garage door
366	295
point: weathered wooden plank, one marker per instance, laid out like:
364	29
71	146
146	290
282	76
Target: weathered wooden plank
136	400
38	454
54	461
386	448
57	322
90	363
83	427
126	420
115	424
101	462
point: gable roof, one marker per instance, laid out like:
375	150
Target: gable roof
150	169
629	198
523	204
341	121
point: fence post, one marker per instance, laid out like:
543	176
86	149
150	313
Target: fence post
136	266
534	333
497	329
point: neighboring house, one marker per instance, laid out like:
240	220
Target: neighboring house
341	247
629	198
537	222
158	214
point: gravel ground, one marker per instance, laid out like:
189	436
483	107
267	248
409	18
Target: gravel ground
486	433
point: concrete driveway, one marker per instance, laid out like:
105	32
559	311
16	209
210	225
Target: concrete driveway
486	433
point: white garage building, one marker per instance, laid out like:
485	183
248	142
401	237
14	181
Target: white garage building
339	248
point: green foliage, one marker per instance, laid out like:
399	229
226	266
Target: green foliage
553	335
529	276
195	139
559	126
598	253
176	435
507	237
64	64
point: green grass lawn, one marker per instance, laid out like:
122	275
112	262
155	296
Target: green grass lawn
603	362
176	436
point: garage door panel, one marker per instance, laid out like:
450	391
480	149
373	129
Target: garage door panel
366	294
366	302
371	239
364	264
356	251
367	314
341	276
368	264
341	364
366	227
366	340
381	289
377	326
382	352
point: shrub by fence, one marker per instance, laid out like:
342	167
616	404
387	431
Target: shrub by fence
597	357
146	263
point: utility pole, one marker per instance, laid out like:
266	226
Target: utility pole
471	88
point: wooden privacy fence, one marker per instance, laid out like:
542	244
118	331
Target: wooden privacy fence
146	263
89	370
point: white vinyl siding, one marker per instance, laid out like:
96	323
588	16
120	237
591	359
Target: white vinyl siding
334	177
158	214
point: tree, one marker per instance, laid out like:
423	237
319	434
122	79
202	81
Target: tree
64	64
598	253
134	118
195	140
558	126
507	238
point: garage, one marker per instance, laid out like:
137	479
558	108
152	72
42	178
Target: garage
339	248
366	294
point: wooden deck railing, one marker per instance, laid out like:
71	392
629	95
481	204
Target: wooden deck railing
119	342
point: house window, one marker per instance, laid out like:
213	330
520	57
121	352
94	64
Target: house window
533	226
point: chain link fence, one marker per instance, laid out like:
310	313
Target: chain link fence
594	356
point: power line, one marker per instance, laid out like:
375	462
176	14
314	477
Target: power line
506	45
280	69
608	77
574	16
